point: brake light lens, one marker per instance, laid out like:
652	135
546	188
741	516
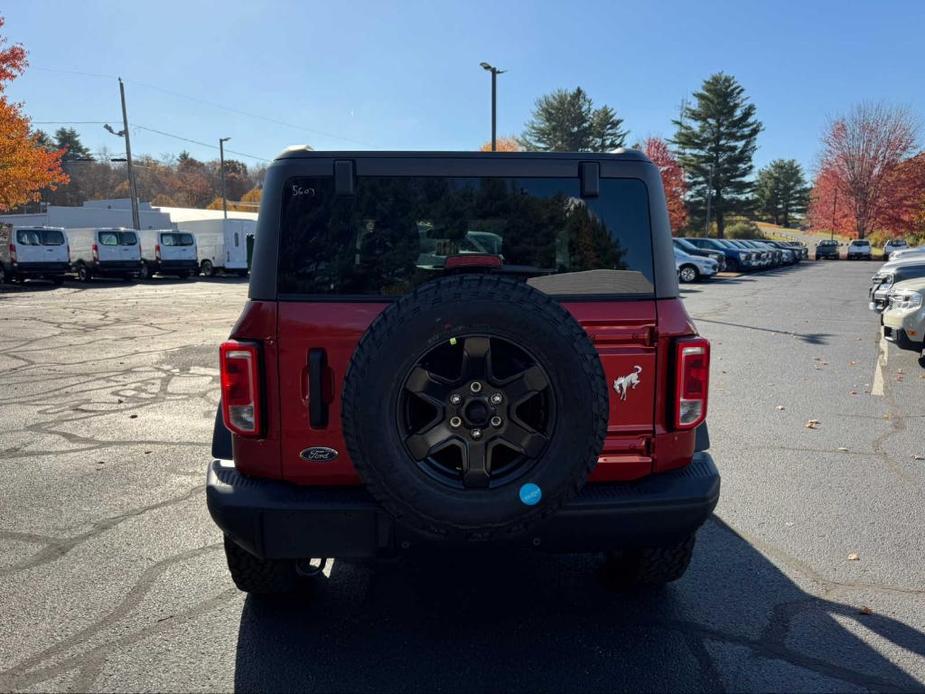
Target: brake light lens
157	251
12	253
96	251
692	381
240	374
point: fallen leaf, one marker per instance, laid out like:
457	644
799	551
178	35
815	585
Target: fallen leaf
780	407
853	556
842	449
853	392
918	457
852	363
133	416
865	610
812	424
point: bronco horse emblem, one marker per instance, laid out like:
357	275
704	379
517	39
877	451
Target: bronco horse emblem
624	383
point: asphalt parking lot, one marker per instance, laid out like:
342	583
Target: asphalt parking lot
113	576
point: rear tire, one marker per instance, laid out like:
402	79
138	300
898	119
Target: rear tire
651	566
145	272
688	273
261	576
83	273
207	268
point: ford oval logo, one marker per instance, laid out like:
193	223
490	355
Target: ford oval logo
319	454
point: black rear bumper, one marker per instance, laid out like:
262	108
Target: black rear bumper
280	520
41	269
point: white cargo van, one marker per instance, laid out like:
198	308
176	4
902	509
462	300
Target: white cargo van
222	244
26	252
168	252
104	253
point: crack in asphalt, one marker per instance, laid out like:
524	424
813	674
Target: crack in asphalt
57	547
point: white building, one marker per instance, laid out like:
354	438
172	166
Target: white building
222	243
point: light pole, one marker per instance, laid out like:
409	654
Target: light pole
133	190
834	205
494	101
221	158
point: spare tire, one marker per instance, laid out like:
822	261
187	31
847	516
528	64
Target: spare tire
474	407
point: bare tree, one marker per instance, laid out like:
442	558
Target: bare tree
862	150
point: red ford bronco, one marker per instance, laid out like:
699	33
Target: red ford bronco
461	350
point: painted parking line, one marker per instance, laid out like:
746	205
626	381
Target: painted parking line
883	356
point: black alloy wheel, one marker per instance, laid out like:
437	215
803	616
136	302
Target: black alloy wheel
476	412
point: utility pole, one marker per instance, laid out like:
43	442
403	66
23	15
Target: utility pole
710	198
221	158
834	203
494	102
133	190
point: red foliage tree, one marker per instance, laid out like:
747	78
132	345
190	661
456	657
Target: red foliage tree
26	166
672	180
861	165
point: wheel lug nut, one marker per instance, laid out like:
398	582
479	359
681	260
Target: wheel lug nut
455	422
455	399
496	421
475	387
496	398
476	433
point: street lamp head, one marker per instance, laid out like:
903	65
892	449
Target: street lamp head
109	128
486	66
224	139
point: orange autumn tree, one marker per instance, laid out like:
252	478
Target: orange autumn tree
26	167
502	144
672	180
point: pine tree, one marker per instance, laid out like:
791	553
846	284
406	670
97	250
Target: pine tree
716	140
781	191
566	121
68	139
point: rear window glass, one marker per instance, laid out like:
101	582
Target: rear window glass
398	232
118	238
39	237
179	239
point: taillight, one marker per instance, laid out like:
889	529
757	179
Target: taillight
692	381
12	253
157	251
96	251
240	374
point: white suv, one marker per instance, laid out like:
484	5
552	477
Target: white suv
893	245
859	249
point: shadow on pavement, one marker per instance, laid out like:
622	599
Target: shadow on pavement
530	622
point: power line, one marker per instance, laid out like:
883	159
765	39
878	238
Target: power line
213	104
197	142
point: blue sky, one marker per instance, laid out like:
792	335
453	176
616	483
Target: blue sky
405	75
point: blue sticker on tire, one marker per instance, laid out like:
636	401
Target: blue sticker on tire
530	494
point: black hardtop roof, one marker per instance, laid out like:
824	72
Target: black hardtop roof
302	152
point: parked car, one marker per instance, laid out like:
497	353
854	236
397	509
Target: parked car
32	252
694	267
369	407
763	256
904	253
827	248
737	260
104	253
801	247
167	252
791	255
904	317
778	257
893	245
691	249
859	249
888	276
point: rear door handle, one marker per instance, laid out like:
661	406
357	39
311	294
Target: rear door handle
317	407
